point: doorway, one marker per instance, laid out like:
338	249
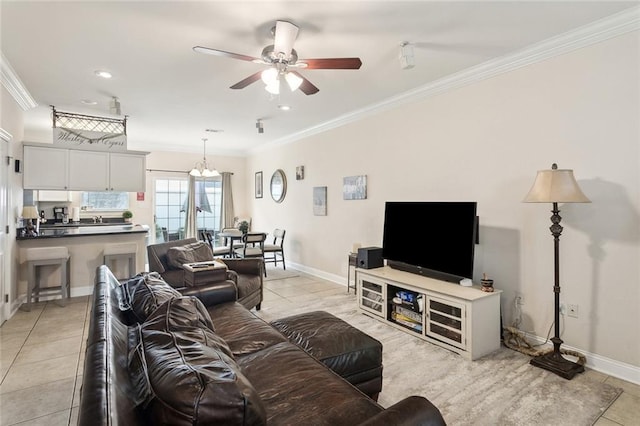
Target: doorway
5	138
170	203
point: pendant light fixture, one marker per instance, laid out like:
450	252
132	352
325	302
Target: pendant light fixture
202	169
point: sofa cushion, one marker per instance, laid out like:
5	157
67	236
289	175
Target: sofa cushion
189	316
334	342
244	332
296	389
186	382
189	253
178	313
144	293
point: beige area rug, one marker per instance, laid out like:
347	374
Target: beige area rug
280	274
499	389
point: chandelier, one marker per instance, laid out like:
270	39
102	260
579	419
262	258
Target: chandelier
201	169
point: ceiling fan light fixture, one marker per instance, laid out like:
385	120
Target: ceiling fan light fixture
269	76
273	88
293	81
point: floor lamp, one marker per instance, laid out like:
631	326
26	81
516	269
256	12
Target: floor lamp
556	186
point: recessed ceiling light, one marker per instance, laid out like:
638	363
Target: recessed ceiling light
214	130
103	74
284	107
89	102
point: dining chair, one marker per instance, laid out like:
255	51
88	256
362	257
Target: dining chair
223	250
275	250
252	246
236	241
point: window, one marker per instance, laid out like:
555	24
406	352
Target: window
171	205
105	200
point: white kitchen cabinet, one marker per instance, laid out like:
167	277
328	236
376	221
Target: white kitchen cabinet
89	170
45	168
79	170
127	172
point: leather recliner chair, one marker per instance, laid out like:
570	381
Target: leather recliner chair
245	273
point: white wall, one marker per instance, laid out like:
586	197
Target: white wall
485	142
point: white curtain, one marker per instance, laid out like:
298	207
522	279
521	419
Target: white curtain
190	225
228	213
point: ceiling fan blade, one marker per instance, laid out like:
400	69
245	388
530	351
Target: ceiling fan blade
306	87
330	63
247	81
286	34
217	52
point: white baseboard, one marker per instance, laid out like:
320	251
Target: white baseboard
338	279
611	367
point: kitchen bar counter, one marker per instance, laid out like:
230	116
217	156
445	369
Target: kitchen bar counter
86	230
86	253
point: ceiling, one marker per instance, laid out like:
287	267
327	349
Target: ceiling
171	94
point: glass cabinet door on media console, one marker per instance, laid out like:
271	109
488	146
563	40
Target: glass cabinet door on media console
371	297
464	320
445	321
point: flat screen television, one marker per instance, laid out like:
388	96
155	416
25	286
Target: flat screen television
435	239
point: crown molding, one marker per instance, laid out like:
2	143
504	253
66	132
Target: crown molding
612	26
14	86
5	136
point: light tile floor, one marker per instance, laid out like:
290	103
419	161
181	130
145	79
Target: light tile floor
42	358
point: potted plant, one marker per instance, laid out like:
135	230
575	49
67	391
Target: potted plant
127	215
243	226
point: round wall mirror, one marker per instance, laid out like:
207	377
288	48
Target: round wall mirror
278	186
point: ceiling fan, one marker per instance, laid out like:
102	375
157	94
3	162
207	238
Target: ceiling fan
283	61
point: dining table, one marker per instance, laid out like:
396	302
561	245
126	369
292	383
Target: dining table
231	236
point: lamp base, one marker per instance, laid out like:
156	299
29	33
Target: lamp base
556	363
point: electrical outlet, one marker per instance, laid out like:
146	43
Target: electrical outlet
519	300
572	311
563	309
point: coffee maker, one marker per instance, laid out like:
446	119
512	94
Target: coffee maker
60	214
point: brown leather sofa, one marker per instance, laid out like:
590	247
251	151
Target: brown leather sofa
154	357
245	273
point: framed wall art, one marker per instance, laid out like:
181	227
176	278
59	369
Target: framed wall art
299	172
354	187
320	201
258	184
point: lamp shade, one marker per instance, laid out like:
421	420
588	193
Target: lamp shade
29	212
293	81
210	173
555	186
269	76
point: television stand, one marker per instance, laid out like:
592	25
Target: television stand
464	320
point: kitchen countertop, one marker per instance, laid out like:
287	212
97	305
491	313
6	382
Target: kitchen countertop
84	231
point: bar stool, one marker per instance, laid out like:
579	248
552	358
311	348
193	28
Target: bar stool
46	256
113	252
